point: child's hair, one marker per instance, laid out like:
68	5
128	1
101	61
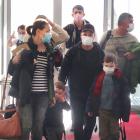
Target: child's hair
110	57
60	85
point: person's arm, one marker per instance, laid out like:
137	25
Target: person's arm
11	40
20	48
66	66
59	35
16	53
134	51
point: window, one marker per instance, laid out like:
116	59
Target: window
28	10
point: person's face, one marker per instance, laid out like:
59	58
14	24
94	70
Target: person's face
21	31
87	39
59	93
78	15
21	34
109	67
127	24
41	32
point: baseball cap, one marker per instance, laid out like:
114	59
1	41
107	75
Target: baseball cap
88	27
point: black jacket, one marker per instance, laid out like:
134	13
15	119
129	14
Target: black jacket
80	67
54	116
22	73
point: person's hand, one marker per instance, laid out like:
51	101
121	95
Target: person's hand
60	97
129	55
13	35
50	22
52	102
16	59
10	40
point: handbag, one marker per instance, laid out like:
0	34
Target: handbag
9	127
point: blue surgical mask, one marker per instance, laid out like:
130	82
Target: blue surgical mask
47	38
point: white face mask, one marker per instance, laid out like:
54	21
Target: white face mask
131	27
108	70
21	37
87	40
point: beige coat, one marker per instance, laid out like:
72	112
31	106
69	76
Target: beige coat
59	36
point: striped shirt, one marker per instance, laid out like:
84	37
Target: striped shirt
40	80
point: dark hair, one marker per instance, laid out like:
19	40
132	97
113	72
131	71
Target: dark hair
38	24
79	7
22	27
124	16
60	85
110	57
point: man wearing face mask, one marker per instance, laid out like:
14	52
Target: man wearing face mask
74	29
80	66
120	40
22	37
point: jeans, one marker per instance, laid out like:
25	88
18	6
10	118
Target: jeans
39	105
26	121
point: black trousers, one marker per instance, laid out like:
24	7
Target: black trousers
83	124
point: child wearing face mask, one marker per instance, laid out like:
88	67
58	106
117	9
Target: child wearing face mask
109	99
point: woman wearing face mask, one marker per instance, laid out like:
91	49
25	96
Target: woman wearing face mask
109	99
33	76
80	66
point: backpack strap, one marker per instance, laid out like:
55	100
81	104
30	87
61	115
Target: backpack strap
108	35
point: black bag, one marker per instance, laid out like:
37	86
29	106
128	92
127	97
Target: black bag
10	113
